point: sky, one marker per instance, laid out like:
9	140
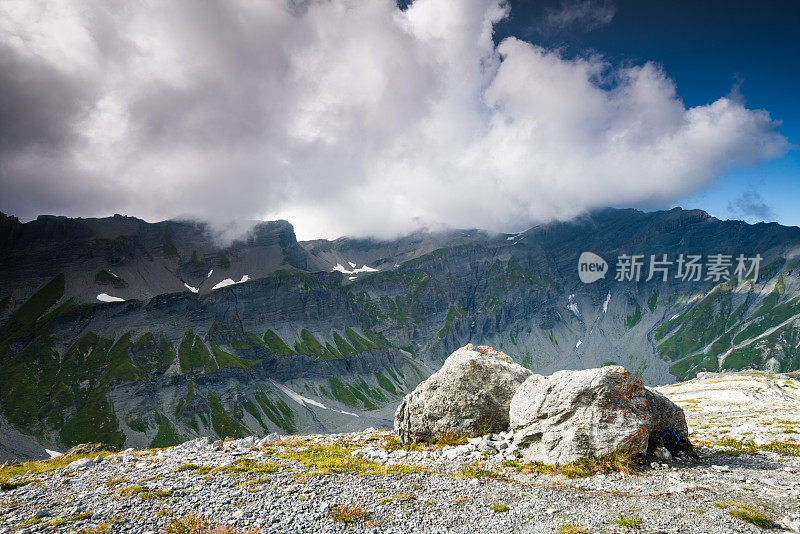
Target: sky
351	117
708	49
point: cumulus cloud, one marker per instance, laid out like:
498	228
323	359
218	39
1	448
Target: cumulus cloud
749	206
343	116
584	14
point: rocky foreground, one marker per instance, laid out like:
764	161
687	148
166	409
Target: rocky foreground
746	479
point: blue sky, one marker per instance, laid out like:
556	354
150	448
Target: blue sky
709	48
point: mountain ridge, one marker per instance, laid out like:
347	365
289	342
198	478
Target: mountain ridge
353	324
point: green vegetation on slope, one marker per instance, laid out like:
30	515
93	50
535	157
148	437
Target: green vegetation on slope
151	355
169	246
652	300
633	319
225	359
39	303
104	277
703	322
193	354
276	344
195	260
166	436
453	312
310	346
224	425
277	411
356	395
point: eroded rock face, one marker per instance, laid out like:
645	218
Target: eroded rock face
469	395
593	412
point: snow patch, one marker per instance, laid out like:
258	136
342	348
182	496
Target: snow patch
210	273
351	264
303	401
573	307
225	283
52	454
299	399
229	282
191	288
102	297
578	344
674	316
354	270
605	304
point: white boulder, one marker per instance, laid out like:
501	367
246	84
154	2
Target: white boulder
469	395
594	412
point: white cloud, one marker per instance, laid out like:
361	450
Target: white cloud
344	117
587	14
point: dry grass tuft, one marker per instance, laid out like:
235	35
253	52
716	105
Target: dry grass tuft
348	513
198	525
616	462
477	470
629	521
334	458
569	528
452	440
748	514
42	466
392	444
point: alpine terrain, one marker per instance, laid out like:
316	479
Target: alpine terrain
135	334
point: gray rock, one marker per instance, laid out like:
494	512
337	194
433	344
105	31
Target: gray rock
791	522
593	412
662	453
79	464
469	395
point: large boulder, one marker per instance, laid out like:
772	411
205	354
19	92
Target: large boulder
469	396
573	414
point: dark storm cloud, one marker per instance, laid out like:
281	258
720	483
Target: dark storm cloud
38	104
342	116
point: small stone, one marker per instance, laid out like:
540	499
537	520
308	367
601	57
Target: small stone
662	454
791	522
551	511
79	464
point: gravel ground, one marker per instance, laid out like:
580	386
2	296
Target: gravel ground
677	496
306	483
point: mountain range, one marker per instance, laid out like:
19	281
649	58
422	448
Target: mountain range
147	334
